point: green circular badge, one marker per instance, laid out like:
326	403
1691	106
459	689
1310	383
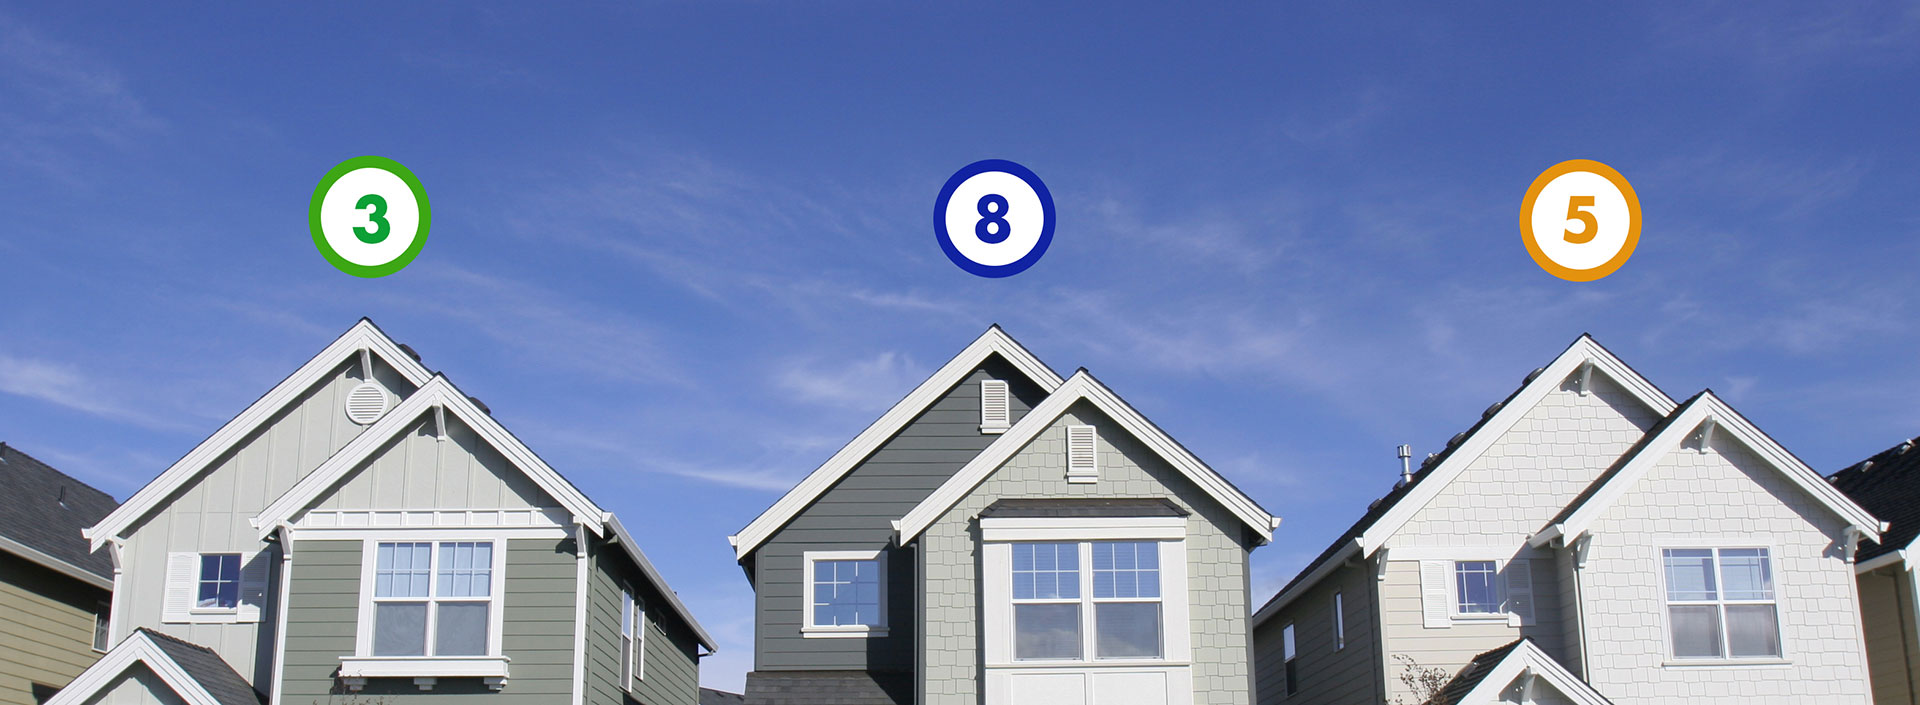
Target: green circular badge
369	216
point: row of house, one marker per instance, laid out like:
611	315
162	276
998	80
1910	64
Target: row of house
1003	535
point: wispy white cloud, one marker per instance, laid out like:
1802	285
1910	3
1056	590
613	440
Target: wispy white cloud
68	386
53	93
861	383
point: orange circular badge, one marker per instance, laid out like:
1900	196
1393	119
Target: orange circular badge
1580	220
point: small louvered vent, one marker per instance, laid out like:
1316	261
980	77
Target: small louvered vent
366	403
1082	463
994	413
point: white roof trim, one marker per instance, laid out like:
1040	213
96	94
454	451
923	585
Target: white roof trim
436	393
364	335
1083	386
139	648
1881	561
1709	407
34	555
1583	351
1529	658
632	549
955	371
1335	562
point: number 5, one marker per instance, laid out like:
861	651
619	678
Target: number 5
1592	227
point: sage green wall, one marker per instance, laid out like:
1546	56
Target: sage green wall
46	628
672	670
538	610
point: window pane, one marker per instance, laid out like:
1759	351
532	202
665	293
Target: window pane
1476	587
400	570
1752	631
1051	571
461	629
1690	575
100	625
400	629
846	593
1745	575
219	582
1696	631
626	612
1286	643
1132	569
466	569
1127	629
1046	631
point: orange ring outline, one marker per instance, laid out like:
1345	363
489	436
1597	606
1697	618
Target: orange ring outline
1633	216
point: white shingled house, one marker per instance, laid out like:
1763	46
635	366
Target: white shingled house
1588	541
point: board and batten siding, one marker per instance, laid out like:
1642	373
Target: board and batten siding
1728	497
537	635
672	669
1893	655
1324	675
857	514
417	470
46	628
1217	547
210	513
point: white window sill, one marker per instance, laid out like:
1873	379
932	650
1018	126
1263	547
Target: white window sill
357	669
994	429
1094	664
1728	663
842	632
1497	617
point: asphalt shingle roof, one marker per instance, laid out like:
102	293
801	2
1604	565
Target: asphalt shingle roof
44	509
1888	486
1476	671
208	669
709	696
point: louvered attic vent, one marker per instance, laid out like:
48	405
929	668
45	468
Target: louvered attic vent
995	416
1082	463
366	403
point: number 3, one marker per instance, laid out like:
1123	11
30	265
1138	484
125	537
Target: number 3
1592	227
379	217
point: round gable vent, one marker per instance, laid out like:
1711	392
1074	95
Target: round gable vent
366	403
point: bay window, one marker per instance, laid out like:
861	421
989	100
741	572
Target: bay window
1721	603
1111	586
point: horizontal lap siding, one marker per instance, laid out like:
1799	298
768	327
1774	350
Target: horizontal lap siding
857	514
1325	675
1885	602
46	628
537	634
1450	648
672	669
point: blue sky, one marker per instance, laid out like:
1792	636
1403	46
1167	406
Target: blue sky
684	251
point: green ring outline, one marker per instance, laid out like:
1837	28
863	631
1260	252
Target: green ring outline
320	237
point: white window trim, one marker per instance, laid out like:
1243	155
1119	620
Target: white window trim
640	637
630	616
1289	683
856	631
1499	591
492	665
998	536
1779	614
240	561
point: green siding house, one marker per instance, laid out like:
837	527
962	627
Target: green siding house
1003	536
367	530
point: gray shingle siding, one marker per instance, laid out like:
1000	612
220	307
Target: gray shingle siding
856	514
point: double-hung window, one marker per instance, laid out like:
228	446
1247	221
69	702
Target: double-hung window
846	594
1721	603
633	638
1114	585
433	599
1287	654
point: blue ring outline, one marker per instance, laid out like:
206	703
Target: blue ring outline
946	240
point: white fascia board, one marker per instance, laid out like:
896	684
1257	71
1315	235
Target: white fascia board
34	555
633	551
364	335
436	393
138	648
822	478
1280	601
1529	658
1881	561
1711	408
1583	351
1082	386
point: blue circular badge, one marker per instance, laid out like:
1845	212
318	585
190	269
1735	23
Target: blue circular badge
994	218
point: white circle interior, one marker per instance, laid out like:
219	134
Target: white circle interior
338	216
1551	222
1023	215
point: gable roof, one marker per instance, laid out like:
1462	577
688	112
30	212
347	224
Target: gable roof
1705	410
1083	387
364	335
193	672
993	342
45	512
1386	515
1887	484
437	393
1487	675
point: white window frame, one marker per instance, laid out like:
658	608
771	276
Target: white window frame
239	582
496	594
851	631
1339	622
1726	658
102	626
629	621
1499	590
1289	653
639	637
1169	533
